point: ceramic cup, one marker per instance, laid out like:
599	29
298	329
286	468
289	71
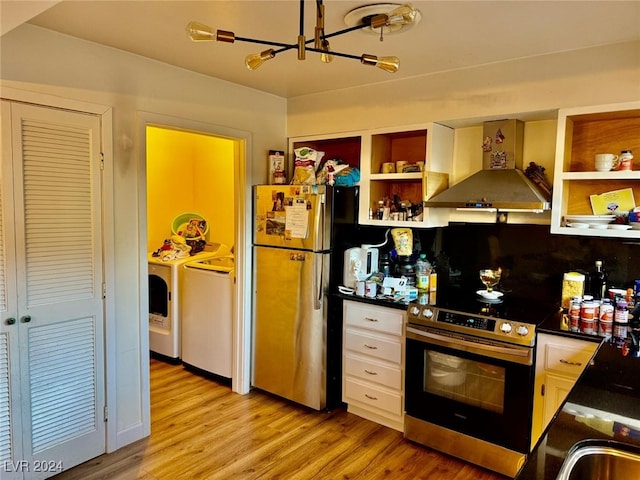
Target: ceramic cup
400	164
388	167
605	162
360	289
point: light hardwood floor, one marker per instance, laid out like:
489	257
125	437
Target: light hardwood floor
201	430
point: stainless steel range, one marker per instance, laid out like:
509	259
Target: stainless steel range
469	378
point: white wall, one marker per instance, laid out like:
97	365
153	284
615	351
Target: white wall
602	75
530	89
42	61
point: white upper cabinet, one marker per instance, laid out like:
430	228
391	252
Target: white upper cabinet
428	147
583	133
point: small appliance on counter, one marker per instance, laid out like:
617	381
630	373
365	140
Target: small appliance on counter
359	264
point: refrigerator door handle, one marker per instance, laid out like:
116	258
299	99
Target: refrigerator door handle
317	282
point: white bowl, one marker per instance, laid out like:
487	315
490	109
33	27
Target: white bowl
599	226
590	218
618	226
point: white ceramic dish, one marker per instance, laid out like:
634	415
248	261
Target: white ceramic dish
590	219
578	225
490	295
599	226
617	226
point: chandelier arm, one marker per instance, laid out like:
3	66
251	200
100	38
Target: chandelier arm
345	55
266	42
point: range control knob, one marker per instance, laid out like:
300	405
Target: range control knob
505	327
522	330
427	313
414	310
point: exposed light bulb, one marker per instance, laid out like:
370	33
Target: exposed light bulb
326	56
254	61
199	32
388	64
403	15
394	20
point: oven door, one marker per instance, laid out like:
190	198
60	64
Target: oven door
469	385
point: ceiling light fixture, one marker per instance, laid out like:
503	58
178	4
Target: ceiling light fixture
369	17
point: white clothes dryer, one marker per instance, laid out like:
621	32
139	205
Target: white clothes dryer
165	281
207	315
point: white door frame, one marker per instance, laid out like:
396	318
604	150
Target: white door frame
108	252
241	372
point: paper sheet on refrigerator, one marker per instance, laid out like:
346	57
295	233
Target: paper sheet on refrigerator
297	220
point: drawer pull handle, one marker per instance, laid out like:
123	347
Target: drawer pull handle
370	397
370	372
567	362
369	319
372	347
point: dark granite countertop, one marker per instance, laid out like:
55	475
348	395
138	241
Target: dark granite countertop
604	405
380	300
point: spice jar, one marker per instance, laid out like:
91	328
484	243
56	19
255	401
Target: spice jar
625	160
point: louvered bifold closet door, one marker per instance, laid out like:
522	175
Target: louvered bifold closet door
59	279
10	408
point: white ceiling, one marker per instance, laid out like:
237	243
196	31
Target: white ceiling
451	35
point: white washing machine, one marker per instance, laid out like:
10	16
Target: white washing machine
165	300
207	314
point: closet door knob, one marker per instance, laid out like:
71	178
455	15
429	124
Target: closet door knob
11	321
26	319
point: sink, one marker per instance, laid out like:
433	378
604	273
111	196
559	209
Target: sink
600	459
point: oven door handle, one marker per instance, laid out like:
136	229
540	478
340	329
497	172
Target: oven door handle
518	352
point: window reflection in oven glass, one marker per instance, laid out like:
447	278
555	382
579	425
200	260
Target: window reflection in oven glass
467	381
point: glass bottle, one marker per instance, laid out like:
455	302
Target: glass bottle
599	281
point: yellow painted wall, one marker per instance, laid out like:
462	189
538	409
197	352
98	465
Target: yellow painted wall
189	172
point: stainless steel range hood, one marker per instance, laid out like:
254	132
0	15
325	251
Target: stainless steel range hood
506	190
500	185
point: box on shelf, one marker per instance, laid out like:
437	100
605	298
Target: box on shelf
277	171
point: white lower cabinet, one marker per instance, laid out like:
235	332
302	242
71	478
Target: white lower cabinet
559	363
373	363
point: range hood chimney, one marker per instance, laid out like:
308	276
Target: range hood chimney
501	184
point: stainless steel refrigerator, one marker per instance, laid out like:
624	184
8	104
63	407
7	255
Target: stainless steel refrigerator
295	344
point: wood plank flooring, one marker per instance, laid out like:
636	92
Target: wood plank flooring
202	430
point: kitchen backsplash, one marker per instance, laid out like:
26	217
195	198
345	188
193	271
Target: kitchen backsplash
533	260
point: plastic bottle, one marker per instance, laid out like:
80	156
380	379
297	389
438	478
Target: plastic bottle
620	323
599	281
423	269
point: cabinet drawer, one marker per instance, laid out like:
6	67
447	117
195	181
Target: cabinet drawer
381	319
370	395
568	359
373	345
372	371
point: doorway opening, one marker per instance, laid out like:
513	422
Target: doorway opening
190	167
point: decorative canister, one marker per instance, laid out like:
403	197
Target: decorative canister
625	160
572	286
